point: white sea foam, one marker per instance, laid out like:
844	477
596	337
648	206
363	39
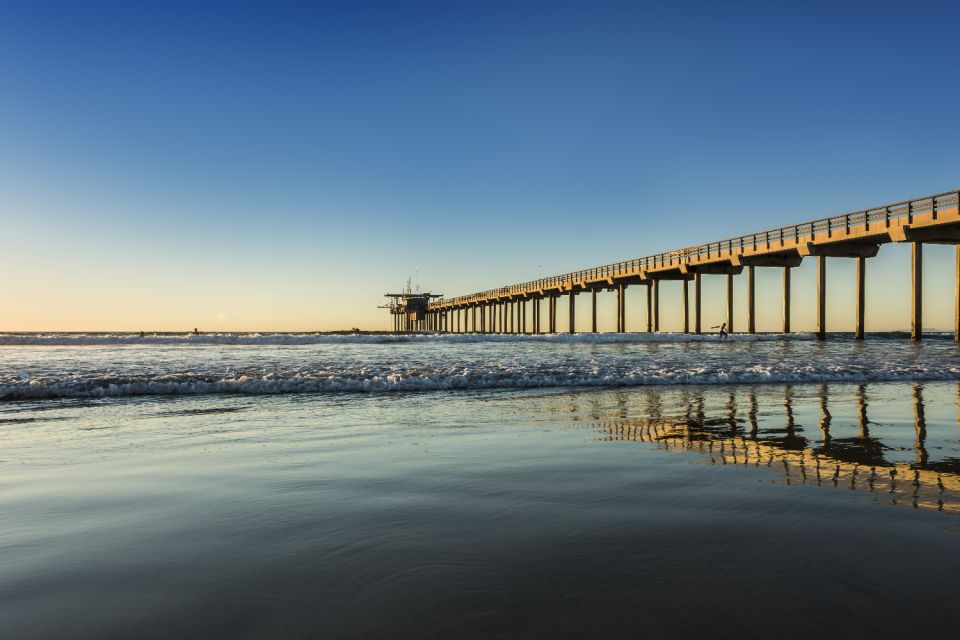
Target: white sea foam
375	381
92	365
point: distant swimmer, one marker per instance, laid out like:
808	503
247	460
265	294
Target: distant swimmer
723	330
141	334
195	332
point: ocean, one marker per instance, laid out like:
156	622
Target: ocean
376	486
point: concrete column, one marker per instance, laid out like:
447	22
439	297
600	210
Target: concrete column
697	327
649	307
821	297
656	305
536	316
623	308
730	303
861	296
786	299
593	296
619	294
751	300
686	307
553	324
916	294
573	314
956	294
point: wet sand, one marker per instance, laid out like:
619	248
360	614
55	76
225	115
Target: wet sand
754	511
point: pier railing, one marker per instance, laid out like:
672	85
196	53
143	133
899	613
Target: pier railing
881	216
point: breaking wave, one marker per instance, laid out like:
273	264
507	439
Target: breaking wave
267	382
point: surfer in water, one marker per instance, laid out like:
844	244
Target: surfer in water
723	330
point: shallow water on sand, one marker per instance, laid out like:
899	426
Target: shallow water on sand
668	511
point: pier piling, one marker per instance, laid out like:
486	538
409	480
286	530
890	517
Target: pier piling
821	297
916	285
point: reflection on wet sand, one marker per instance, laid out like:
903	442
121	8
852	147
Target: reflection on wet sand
858	462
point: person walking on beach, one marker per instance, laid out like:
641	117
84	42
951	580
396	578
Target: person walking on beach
723	330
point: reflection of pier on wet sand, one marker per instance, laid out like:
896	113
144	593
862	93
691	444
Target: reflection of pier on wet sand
856	463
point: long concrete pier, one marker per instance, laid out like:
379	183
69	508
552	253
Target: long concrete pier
856	236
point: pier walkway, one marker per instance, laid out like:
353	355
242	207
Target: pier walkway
857	235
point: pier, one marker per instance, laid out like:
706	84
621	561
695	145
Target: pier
518	308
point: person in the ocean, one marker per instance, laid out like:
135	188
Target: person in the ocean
141	334
723	330
195	332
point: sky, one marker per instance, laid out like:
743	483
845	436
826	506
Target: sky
280	166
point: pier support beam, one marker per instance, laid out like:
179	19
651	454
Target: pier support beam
697	327
786	299
621	313
593	296
751	299
656	305
916	293
686	307
729	303
536	315
821	297
956	294
861	297
649	308
553	313
573	314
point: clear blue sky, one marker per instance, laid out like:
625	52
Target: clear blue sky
280	166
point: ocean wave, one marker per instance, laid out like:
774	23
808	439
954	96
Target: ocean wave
280	339
269	383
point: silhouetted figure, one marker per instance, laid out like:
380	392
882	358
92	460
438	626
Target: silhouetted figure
723	330
195	332
141	334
